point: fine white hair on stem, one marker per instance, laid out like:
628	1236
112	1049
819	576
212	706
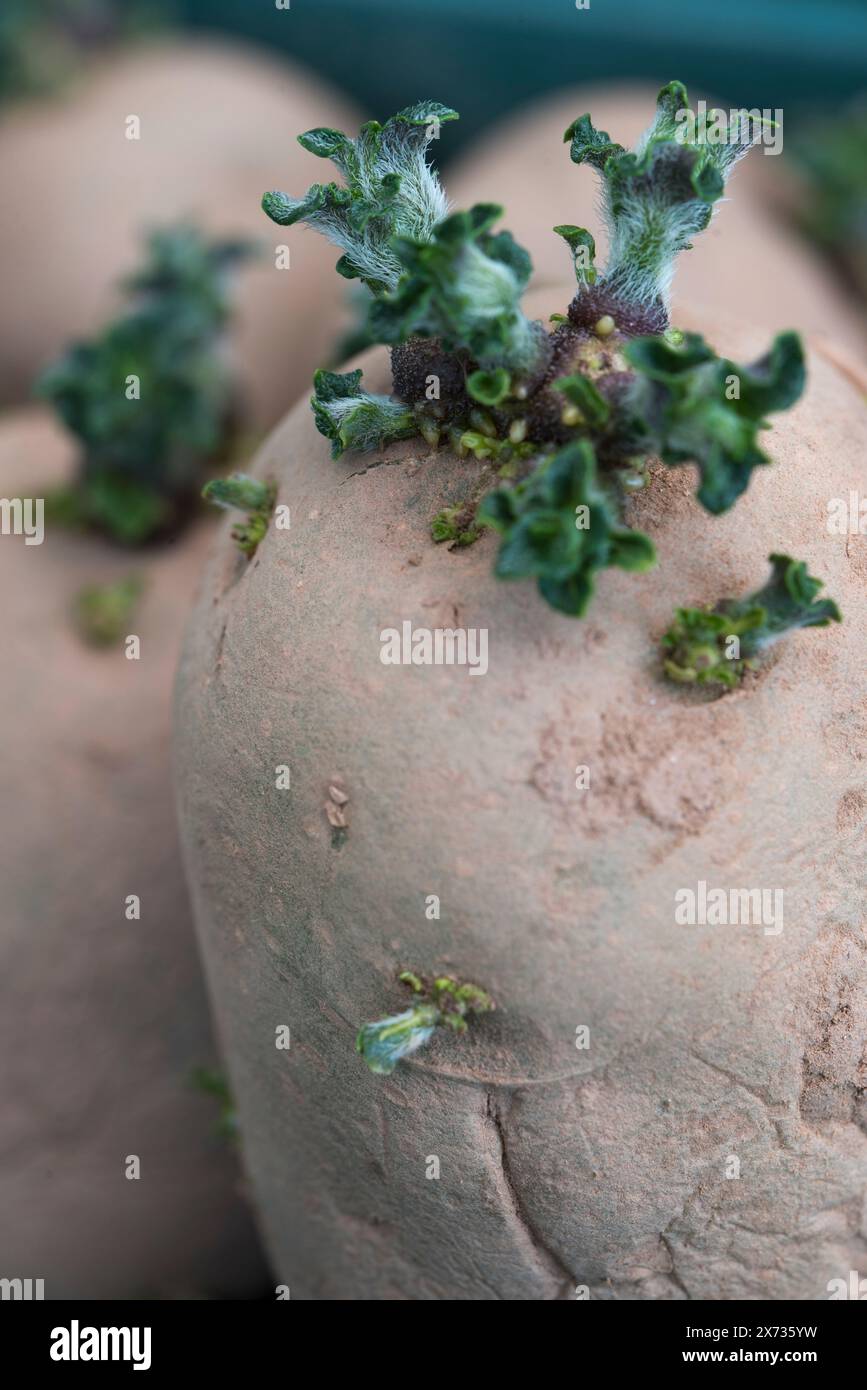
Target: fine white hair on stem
389	190
656	199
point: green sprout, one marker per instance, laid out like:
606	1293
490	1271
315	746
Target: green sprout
559	527
691	406
103	611
353	418
212	1082
489	388
656	199
716	646
441	1003
390	191
589	403
243	494
463	286
452	524
150	400
567	420
583	248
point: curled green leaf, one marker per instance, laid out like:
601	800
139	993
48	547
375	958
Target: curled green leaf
583	248
489	388
589	145
690	406
560	527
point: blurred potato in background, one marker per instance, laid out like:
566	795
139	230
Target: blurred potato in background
216	130
104	1022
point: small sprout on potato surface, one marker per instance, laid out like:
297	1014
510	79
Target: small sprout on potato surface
592	407
481	446
384	1044
439	1003
482	423
352	418
212	1082
699	647
429	430
149	399
450	525
243	494
103	611
239	492
489	388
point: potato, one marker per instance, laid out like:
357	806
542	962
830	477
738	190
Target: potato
217	129
560	1166
745	263
103	1019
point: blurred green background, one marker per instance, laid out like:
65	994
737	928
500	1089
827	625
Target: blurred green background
486	57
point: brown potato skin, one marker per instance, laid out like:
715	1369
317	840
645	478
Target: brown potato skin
102	1019
559	1167
218	128
745	264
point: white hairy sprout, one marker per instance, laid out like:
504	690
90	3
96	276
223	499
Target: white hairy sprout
656	199
390	190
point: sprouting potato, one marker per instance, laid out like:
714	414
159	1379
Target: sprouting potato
661	887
